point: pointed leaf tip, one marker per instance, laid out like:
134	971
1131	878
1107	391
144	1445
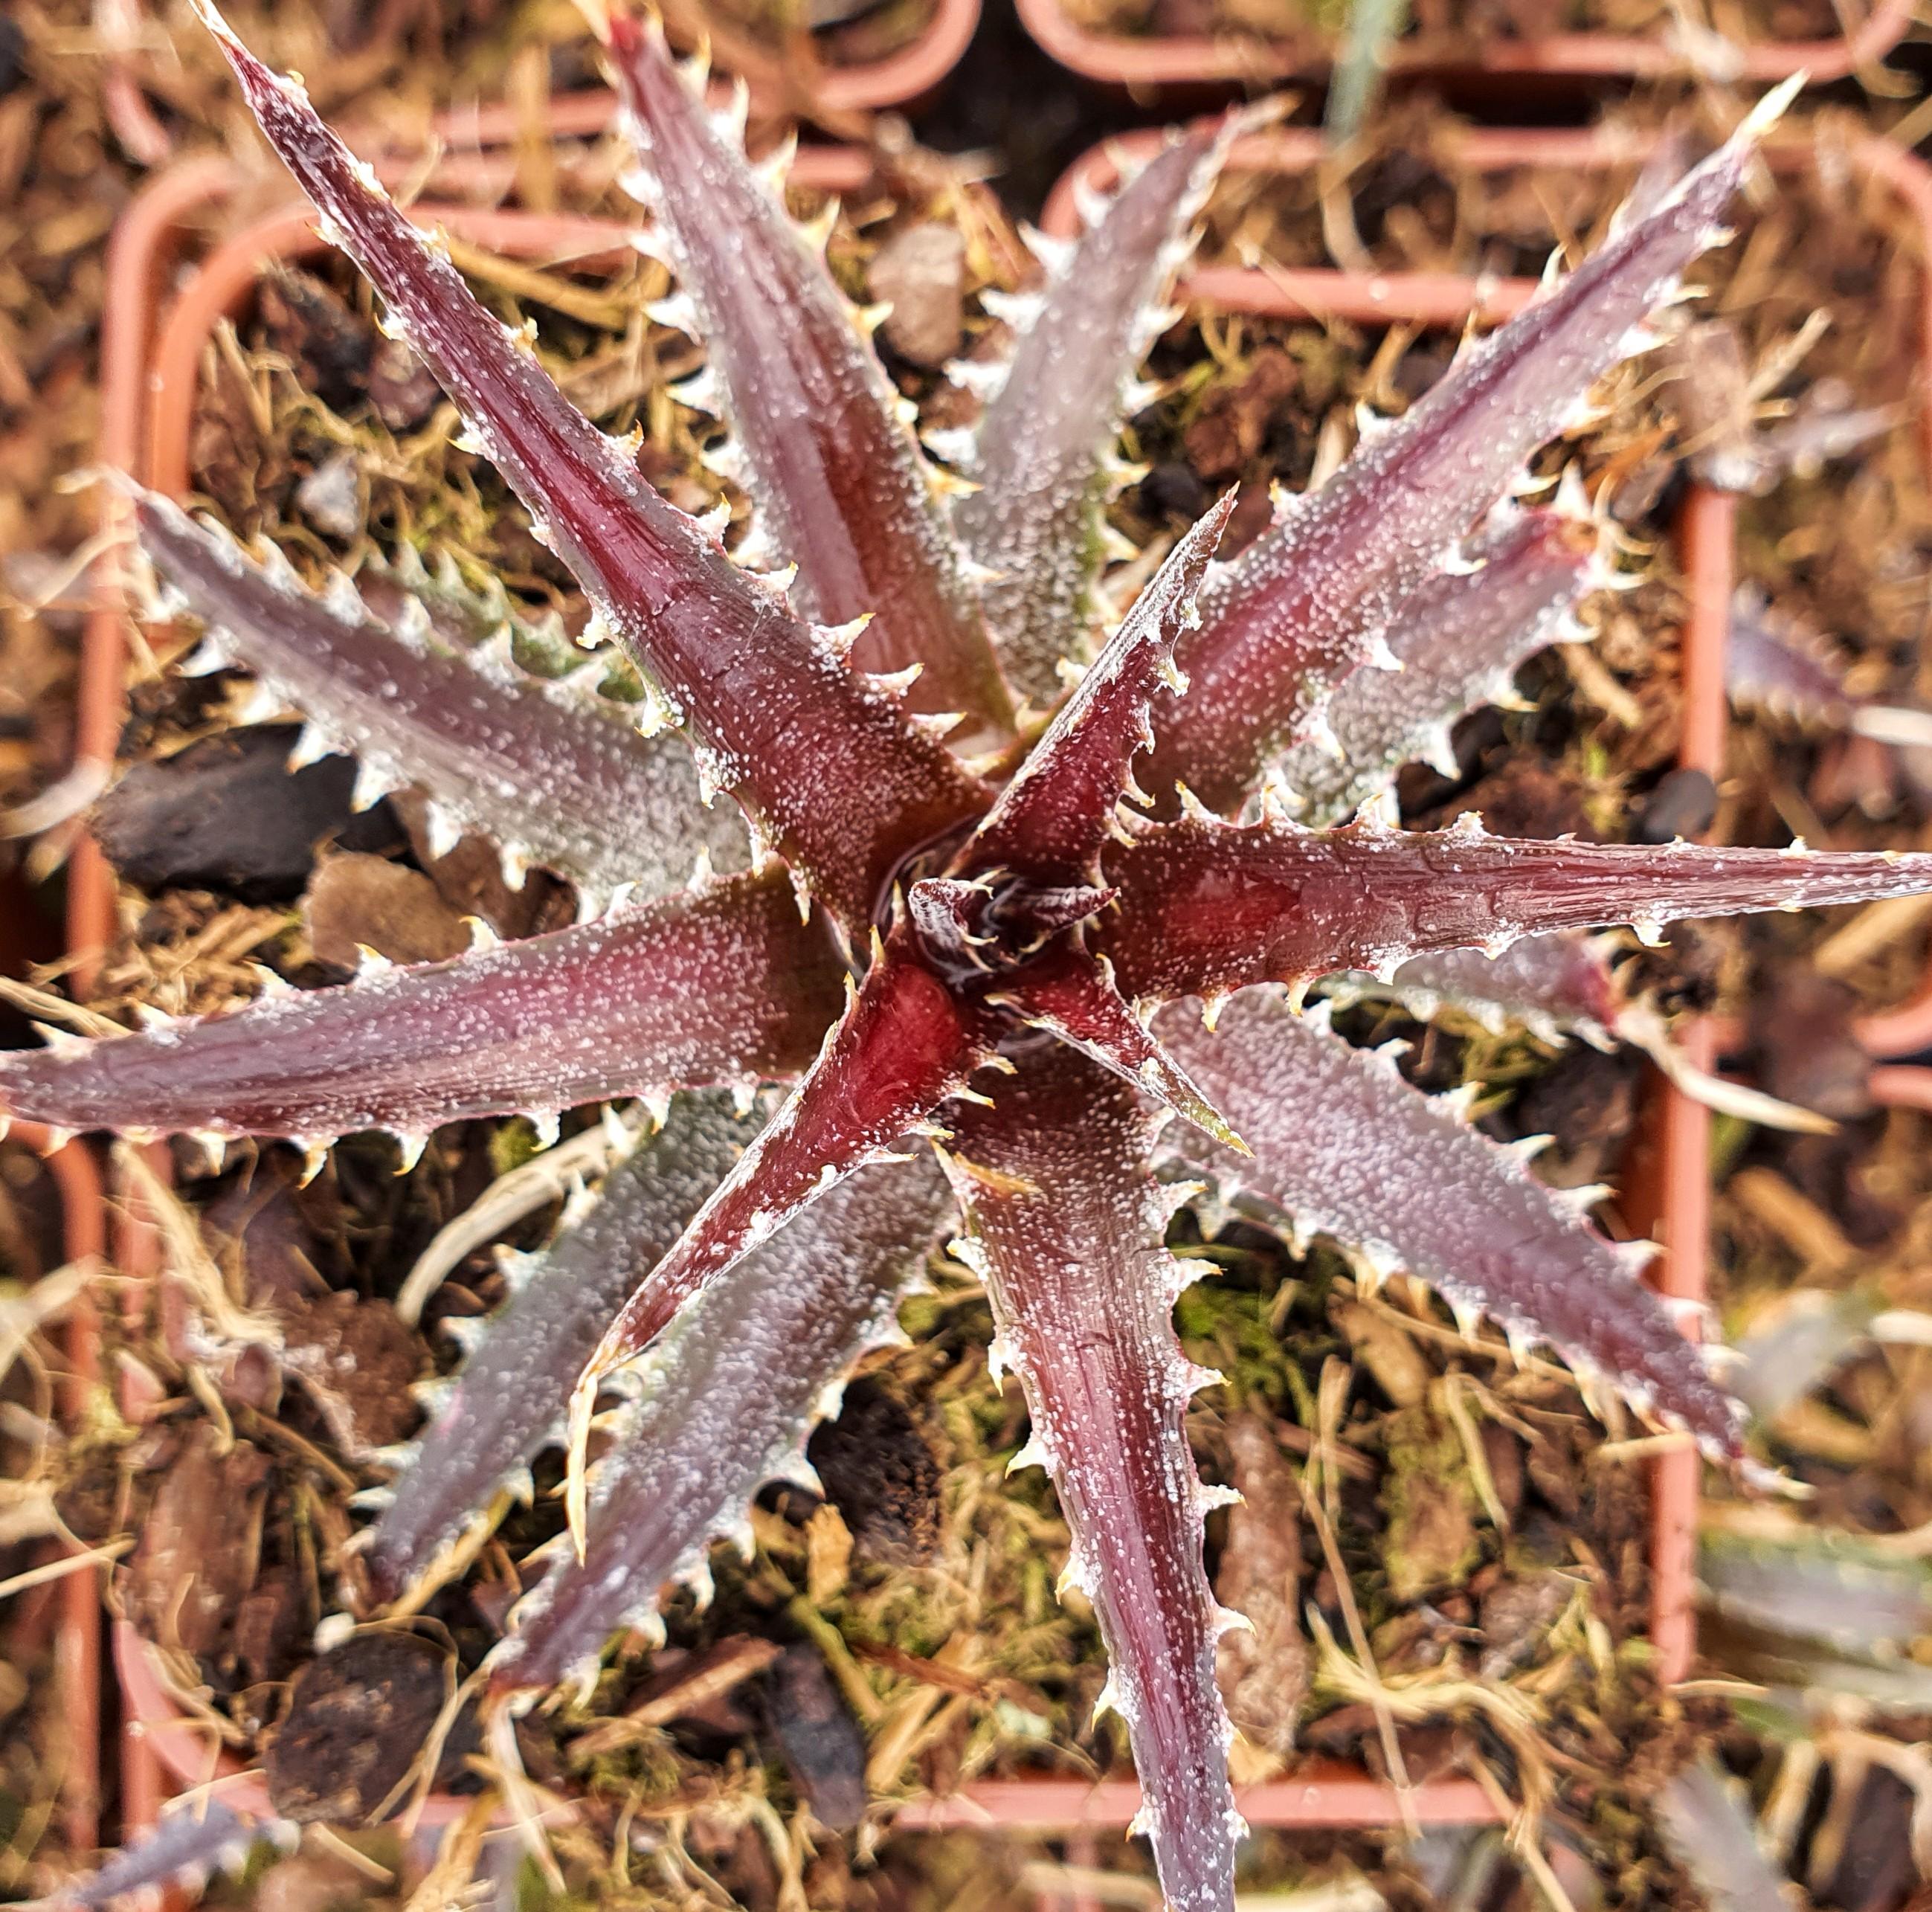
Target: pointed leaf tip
1326	1121
1069	992
1043	449
1206	907
1050	821
1082	1290
1298	612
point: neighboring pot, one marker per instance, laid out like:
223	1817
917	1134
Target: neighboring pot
835	96
1146	63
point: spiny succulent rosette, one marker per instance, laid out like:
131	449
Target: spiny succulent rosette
1021	947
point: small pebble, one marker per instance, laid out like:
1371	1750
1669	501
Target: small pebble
820	1740
358	1716
225	813
921	272
330	497
1682	804
401	389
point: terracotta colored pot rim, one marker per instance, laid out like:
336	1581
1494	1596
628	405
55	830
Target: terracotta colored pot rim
897	79
1136	62
227	278
1324	1794
75	1170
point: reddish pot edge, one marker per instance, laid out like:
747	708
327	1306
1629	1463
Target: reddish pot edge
1183	60
76	1600
143	238
899	79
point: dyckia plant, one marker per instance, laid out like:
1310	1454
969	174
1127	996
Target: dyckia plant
968	956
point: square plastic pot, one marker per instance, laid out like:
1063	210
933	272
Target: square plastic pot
149	394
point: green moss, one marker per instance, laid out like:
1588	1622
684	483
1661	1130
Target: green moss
1430	1503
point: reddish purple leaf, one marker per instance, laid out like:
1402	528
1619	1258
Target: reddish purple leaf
829	769
905	1044
1050	821
728	1398
1459	639
1068	1231
1205	907
1344	1147
847	493
555	777
720	985
1069	993
1553	985
1305	607
1043	449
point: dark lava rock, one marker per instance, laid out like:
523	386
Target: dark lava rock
1171	492
225	813
358	1717
1588	1104
1683	804
821	1742
313	326
878	1470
